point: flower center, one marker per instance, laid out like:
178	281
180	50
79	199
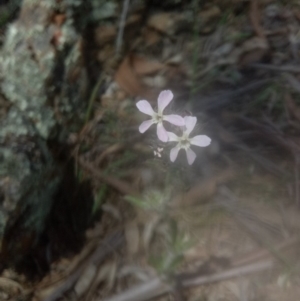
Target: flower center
184	142
158	118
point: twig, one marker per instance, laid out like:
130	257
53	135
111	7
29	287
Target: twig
231	273
284	68
121	26
224	98
297	180
262	254
104	249
157	287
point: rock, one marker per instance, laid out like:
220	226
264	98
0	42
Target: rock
44	78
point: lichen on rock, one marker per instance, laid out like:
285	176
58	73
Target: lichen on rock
23	78
43	77
28	61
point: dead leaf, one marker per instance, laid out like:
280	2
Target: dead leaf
143	66
151	36
209	14
163	22
133	19
129	79
293	108
104	34
253	50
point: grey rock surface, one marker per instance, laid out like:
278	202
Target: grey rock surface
44	80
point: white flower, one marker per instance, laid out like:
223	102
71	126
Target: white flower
184	142
163	100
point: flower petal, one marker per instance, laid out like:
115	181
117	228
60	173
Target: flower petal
162	133
190	155
200	140
145	126
174	153
173	137
190	123
145	107
164	98
174	119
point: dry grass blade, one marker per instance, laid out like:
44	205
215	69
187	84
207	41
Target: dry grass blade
262	254
156	287
122	186
203	190
283	68
110	150
145	291
234	272
271	134
230	138
132	237
103	250
293	81
48	286
264	162
121	26
296	173
223	98
254	15
293	108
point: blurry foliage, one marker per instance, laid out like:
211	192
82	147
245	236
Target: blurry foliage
177	244
151	200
